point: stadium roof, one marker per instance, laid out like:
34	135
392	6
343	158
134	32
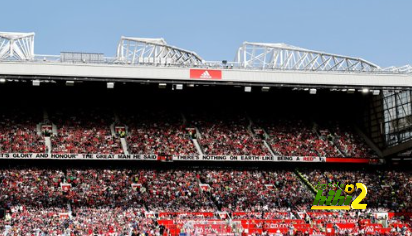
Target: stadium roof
249	56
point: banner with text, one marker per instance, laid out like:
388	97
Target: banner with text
249	158
154	157
46	156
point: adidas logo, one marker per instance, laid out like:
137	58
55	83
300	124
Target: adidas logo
205	75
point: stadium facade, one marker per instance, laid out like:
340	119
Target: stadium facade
257	66
158	141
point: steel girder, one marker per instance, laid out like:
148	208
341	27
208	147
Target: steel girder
286	57
16	46
154	51
407	69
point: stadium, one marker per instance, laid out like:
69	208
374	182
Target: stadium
158	141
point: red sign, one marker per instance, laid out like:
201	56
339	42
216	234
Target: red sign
205	74
347	160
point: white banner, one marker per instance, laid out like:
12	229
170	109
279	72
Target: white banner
223	158
301	159
249	158
154	157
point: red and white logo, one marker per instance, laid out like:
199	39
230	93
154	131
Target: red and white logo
205	74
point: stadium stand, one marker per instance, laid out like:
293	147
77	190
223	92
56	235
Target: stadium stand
296	138
349	142
26	220
170	198
18	133
85	132
166	134
382	186
227	134
158	132
255	191
168	201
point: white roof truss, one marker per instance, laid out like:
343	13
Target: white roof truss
286	57
155	51
16	46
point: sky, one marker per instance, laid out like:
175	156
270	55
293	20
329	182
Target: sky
379	31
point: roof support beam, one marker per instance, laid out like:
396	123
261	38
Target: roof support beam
284	57
16	46
154	51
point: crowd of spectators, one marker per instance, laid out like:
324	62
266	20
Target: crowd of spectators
18	133
112	220
27	221
158	190
400	182
387	190
159	133
350	143
84	132
256	190
332	149
176	191
103	200
167	133
82	221
227	134
101	187
296	138
127	201
35	187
